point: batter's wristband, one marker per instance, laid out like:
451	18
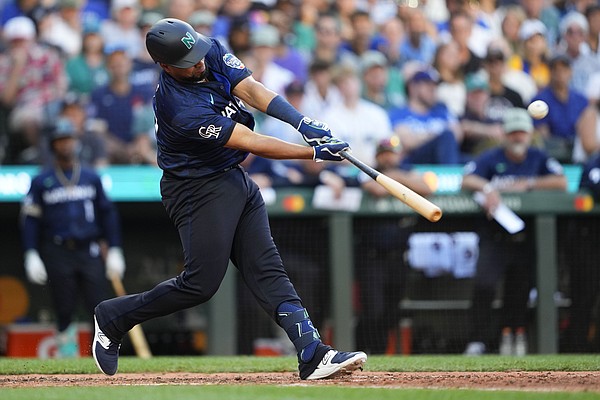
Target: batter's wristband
282	110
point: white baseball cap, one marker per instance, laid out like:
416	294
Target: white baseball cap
19	28
531	27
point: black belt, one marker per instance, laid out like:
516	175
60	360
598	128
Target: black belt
72	244
170	175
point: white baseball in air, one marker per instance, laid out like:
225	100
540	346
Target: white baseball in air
538	109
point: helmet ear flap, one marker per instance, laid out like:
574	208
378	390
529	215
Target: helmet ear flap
174	42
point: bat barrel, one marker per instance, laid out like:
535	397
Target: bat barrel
415	201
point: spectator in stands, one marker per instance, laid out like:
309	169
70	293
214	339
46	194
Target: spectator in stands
122	29
121	105
592	14
392	36
304	28
480	130
363	34
229	16
514	166
587	139
180	9
202	21
502	96
343	10
286	55
320	92
21	8
32	85
238	36
511	24
417	45
546	12
379	254
461	31
567	111
328	41
516	80
87	70
382	84
532	57
265	40
303	173
144	70
451	87
574	30
487	102
62	27
429	133
355	120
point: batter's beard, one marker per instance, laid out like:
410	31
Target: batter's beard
196	77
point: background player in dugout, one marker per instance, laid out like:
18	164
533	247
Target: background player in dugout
65	216
203	133
513	166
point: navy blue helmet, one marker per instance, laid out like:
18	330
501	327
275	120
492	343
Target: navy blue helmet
174	42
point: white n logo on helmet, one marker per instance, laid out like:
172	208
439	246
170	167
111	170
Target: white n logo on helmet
188	40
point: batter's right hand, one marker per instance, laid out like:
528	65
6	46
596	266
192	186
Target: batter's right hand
34	268
314	132
329	151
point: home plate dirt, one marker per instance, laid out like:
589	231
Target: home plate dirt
513	380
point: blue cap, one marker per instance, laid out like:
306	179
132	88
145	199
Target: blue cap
63	128
111	48
424	75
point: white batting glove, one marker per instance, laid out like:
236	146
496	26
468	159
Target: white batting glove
34	268
115	262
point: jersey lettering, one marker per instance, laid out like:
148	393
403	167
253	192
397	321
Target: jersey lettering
230	110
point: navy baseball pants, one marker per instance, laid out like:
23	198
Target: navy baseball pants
220	217
73	271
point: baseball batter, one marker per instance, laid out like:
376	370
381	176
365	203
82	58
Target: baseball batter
203	132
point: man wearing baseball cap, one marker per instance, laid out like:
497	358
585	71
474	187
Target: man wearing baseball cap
429	133
32	82
513	166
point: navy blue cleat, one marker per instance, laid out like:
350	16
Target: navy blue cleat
330	363
105	351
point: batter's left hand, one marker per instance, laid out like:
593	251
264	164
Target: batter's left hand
115	263
314	132
330	150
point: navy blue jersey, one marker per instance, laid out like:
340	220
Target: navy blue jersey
195	120
80	212
590	178
494	166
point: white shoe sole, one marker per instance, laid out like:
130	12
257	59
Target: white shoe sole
96	329
335	370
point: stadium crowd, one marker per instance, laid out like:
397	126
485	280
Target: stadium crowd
437	74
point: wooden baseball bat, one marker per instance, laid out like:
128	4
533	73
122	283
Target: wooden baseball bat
136	334
406	195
